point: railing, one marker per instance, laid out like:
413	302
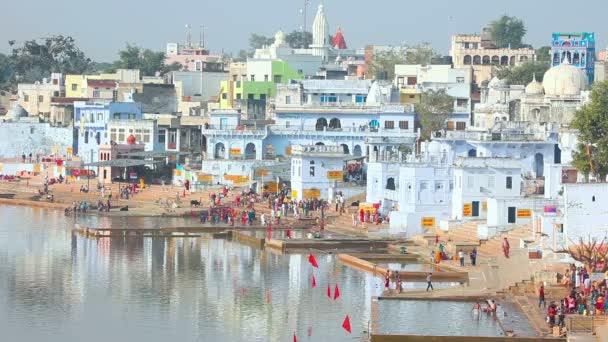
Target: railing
585	324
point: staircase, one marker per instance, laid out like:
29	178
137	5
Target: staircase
493	247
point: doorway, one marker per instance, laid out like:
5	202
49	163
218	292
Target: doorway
475	211
511	215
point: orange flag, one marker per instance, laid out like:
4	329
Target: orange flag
336	292
346	324
314	281
313	261
328	291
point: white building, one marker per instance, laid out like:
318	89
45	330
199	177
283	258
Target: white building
315	170
476	179
585	212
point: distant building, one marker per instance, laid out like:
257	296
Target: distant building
35	98
578	48
585	212
102	86
314	171
480	53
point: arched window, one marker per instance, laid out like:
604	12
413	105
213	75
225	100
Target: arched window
495	60
476	60
334	123
390	184
312	168
321	124
467	60
504	60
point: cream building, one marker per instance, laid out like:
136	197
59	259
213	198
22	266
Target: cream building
35	98
479	53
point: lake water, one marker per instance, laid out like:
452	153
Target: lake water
59	286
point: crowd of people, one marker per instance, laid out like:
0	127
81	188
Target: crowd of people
441	254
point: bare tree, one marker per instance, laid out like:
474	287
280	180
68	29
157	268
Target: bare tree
590	252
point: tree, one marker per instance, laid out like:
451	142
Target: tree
384	62
299	39
591	121
523	74
542	54
421	54
241	56
147	61
507	32
433	111
258	41
590	252
31	61
5	71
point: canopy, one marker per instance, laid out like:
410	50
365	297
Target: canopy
374	123
153	154
122	163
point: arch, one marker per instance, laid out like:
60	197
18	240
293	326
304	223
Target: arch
512	61
390	184
345	149
357	151
219	151
376	152
539	165
557	154
485	60
472	153
250	151
476	60
320	144
556	59
504	60
504	118
468	60
321	124
495	60
576	58
334	123
523	58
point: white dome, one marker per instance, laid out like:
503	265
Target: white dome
564	80
535	87
279	38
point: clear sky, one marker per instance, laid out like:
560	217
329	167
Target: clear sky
103	27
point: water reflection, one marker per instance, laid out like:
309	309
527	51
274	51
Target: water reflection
57	286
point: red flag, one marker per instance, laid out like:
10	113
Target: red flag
313	261
309	331
336	292
295	339
314	281
328	291
346	324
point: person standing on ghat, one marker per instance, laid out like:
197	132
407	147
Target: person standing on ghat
429	283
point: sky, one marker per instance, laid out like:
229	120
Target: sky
102	28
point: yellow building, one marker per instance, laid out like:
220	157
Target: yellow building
76	86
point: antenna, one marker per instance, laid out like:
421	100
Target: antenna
188	36
306	2
201	41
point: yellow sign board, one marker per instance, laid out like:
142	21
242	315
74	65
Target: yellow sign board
236	178
467	210
271	186
367	207
37	168
334	175
294	193
205	178
524	213
177	172
235	151
70	150
484	206
312	193
428	222
241	180
261	172
288	150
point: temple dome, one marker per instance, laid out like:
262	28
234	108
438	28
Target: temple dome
564	80
498	83
535	87
18	112
279	39
339	42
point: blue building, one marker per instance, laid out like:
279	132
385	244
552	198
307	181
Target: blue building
578	48
91	125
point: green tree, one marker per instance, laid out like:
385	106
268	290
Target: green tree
434	109
32	60
507	31
591	121
5	71
299	39
257	41
523	74
385	61
421	54
542	54
147	61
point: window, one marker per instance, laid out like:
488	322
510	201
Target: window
287	99
161	136
312	168
404	124
239	96
360	98
277	78
114	95
96	94
300	71
460	126
592	198
252	78
250	97
113	135
224	96
121	135
238	84
100	117
91	117
400	80
86	137
459	79
389	124
116	116
262	97
412	96
74	87
265	78
32	132
234	78
462	102
470	182
491	181
509	182
146	135
131	116
40	98
412	80
287	124
26	98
